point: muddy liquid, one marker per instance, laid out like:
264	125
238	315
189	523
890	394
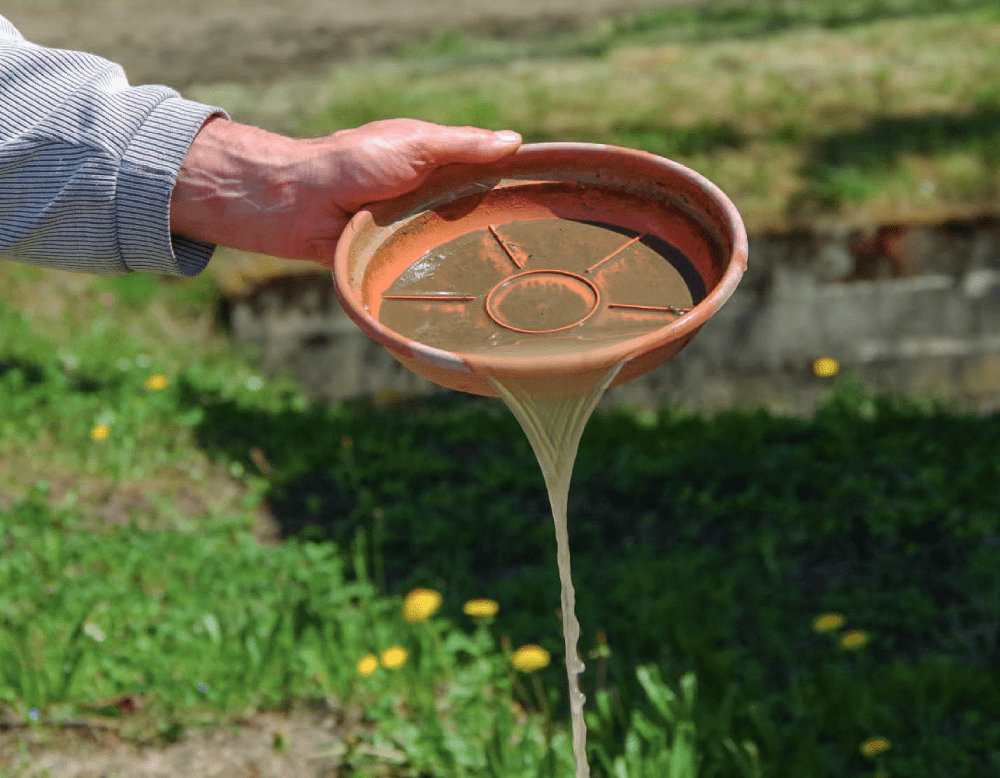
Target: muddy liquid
540	286
554	427
536	287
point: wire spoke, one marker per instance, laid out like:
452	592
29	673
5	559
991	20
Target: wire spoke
432	297
518	263
617	252
655	308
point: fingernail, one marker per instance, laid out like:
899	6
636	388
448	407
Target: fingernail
508	136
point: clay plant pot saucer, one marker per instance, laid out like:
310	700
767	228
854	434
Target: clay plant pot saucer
541	266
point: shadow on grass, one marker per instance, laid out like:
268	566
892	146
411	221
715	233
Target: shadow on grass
850	165
713	20
761	521
679	141
29	374
663	139
697	22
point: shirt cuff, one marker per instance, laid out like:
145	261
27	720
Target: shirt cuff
149	169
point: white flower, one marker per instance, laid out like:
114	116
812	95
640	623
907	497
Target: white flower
92	630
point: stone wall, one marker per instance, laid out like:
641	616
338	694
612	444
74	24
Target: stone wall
903	309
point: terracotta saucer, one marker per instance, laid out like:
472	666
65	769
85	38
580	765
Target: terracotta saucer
548	268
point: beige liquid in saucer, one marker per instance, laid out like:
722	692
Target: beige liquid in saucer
538	286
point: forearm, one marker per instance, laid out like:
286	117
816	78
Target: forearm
87	163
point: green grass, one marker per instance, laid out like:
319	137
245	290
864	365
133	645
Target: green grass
886	114
703	550
687	21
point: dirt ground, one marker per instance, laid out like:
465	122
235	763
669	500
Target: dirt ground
184	42
304	745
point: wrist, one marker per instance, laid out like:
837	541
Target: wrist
230	186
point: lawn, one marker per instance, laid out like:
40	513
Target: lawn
705	550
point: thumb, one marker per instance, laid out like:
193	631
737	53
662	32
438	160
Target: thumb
469	144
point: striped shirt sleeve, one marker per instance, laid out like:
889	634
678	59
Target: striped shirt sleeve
88	164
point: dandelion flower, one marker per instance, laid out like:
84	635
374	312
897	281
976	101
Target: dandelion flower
420	604
828	622
529	658
875	746
394	656
156	382
825	367
856	638
368	664
101	432
481	608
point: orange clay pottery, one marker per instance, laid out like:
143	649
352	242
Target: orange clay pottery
547	268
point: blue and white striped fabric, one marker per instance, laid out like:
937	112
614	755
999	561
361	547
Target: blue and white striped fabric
88	164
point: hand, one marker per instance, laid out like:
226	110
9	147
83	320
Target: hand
249	189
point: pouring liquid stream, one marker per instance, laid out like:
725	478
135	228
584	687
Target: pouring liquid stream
554	427
535	288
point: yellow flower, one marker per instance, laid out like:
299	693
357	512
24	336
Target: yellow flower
529	658
481	608
828	622
875	746
420	604
854	639
100	432
156	382
368	664
826	367
394	656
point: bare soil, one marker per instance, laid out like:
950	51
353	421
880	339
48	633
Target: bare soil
303	744
184	42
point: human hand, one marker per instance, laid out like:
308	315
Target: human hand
250	189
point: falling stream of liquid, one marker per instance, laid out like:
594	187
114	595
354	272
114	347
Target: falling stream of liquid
554	427
540	287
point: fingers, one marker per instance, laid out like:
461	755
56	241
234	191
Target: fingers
446	145
386	158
